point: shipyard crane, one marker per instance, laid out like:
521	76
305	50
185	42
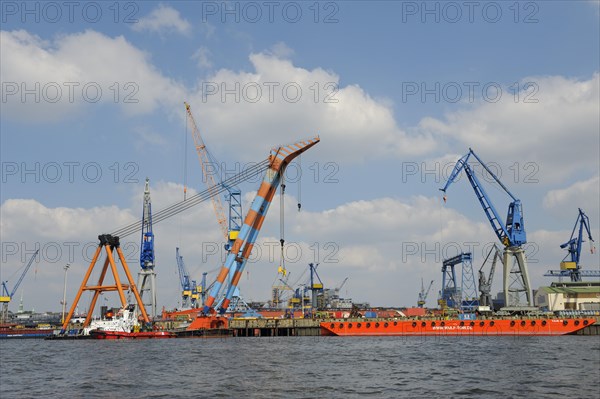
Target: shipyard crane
572	267
238	253
485	283
203	288
147	275
315	287
6	296
189	288
510	233
230	225
453	296
296	299
338	289
277	290
423	294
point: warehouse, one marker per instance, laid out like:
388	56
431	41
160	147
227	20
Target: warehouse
569	296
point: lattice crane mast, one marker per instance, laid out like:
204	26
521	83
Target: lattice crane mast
423	294
6	296
239	252
510	233
147	241
572	267
147	276
230	225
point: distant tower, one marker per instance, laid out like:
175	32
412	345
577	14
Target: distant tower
147	276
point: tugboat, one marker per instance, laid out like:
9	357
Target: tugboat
122	325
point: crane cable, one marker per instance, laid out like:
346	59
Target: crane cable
299	182
185	160
185	135
176	208
281	268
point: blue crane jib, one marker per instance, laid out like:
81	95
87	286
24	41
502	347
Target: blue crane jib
572	268
189	287
457	259
5	295
574	244
512	232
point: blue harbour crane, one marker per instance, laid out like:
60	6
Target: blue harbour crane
511	232
6	296
189	288
147	275
572	267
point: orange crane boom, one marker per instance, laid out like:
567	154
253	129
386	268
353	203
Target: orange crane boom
205	160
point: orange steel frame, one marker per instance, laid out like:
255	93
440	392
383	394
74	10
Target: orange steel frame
109	243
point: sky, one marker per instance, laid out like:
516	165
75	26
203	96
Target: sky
92	105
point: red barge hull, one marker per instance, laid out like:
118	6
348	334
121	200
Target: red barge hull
454	327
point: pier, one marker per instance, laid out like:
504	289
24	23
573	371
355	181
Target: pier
275	327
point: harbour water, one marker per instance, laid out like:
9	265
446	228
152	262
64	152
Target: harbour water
303	367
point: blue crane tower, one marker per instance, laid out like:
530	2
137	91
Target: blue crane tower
572	267
510	233
6	296
465	296
189	288
147	275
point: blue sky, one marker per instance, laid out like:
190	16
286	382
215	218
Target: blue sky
409	81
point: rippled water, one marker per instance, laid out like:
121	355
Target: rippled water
303	367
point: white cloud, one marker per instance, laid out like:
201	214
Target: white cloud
150	137
281	102
561	126
281	50
582	194
163	19
67	76
353	125
202	57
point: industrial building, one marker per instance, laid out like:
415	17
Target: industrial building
569	296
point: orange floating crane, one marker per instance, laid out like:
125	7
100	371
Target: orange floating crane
238	254
110	244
